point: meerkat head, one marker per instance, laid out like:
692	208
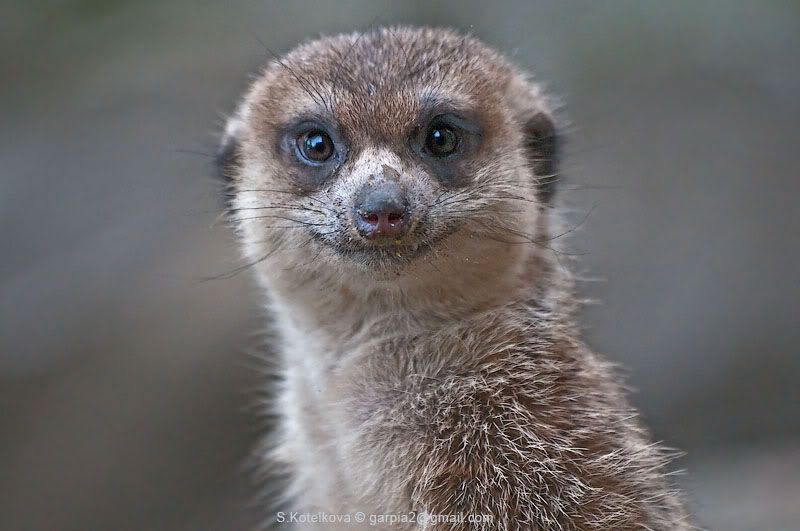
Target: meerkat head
400	153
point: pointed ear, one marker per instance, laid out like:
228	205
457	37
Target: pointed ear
228	158
542	150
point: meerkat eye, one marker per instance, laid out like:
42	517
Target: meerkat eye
441	140
315	145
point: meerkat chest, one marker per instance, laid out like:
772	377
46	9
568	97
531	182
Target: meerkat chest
317	416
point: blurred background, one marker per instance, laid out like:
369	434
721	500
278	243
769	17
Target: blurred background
128	399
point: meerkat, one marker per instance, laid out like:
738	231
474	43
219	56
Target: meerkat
392	190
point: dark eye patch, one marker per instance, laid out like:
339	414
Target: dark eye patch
446	142
312	149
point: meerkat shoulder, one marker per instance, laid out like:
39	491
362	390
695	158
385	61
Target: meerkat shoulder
392	190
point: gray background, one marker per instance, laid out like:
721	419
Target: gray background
127	397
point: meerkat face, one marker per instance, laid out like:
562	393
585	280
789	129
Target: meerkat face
374	153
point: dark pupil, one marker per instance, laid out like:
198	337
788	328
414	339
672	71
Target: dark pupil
318	146
442	141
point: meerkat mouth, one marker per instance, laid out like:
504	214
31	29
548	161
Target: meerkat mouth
394	253
386	254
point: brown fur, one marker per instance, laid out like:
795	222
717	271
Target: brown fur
443	374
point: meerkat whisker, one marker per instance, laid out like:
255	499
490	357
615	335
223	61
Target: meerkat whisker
394	193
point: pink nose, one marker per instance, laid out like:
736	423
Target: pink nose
383	223
381	211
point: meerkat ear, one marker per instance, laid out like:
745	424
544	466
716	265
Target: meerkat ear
542	149
541	140
228	157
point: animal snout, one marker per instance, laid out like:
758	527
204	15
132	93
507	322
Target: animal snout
382	211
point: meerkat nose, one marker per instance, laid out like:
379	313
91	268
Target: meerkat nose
381	211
